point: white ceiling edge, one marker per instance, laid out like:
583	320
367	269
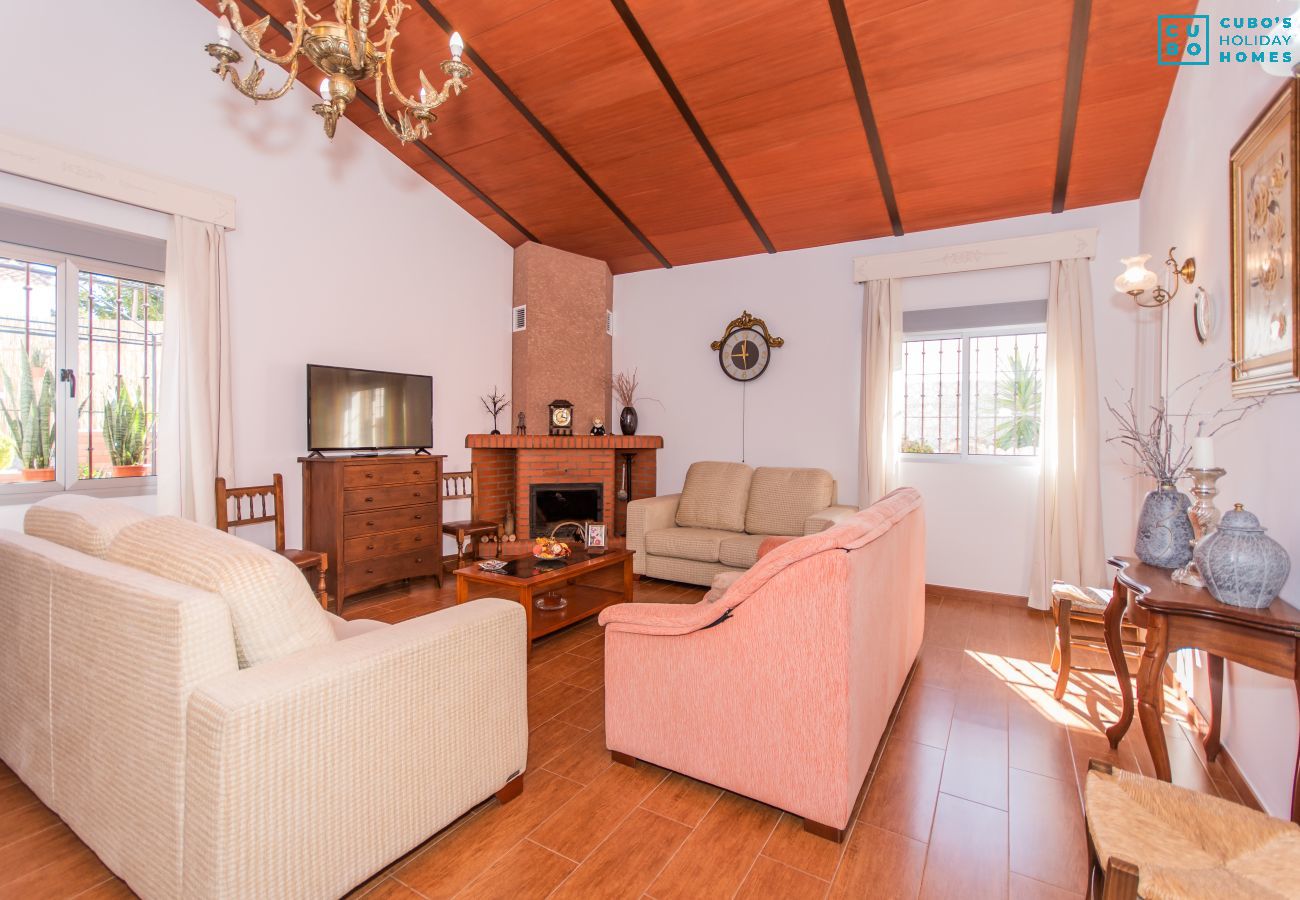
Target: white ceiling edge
70	169
1019	251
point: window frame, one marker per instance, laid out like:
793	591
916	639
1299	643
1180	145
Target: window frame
963	455
68	270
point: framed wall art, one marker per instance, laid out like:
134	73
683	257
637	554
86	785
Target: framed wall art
1265	248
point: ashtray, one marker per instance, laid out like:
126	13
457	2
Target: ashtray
492	565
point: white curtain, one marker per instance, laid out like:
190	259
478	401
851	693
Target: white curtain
882	358
194	422
1068	539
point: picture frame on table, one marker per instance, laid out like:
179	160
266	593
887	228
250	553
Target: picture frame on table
1265	231
596	538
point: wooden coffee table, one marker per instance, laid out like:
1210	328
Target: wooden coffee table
541	585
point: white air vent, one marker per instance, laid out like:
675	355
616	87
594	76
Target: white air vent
519	318
609	321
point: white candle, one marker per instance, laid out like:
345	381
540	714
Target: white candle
1202	453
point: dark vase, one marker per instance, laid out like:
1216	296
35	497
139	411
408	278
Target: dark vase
1164	534
627	420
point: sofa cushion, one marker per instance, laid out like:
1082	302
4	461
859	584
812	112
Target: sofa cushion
721	582
85	524
715	496
699	544
781	500
740	550
272	608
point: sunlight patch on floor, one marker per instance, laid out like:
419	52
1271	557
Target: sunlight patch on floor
1091	699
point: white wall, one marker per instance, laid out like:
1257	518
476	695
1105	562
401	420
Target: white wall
804	410
342	254
1185	202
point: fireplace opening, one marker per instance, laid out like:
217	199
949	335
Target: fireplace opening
551	504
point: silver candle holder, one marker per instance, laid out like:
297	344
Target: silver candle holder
1204	517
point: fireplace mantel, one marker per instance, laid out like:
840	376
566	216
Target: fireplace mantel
508	464
556	442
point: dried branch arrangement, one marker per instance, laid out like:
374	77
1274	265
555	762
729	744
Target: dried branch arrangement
1163	445
495	402
625	387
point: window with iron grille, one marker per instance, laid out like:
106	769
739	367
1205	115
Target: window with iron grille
80	348
977	393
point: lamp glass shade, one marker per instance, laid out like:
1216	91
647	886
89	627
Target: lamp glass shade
1136	277
457	45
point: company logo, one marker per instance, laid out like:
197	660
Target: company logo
1183	40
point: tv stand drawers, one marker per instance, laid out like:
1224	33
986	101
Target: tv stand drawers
378	518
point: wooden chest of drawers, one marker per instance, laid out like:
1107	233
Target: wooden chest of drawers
378	518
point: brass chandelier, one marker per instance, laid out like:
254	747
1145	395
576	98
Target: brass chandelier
345	53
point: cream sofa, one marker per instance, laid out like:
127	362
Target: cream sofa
722	516
126	710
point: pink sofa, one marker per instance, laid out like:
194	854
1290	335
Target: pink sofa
781	689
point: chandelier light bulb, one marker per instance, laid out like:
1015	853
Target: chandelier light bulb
224	31
424	97
1136	277
325	90
457	45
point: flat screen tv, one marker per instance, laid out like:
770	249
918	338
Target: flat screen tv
360	409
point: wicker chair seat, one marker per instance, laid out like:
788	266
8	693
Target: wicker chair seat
1190	845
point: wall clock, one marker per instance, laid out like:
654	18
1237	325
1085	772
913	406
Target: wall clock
745	348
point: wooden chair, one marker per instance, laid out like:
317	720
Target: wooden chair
251	508
464	486
1078	616
1155	839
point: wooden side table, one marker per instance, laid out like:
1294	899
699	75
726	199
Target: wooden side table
1176	617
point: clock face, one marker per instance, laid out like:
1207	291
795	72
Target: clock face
562	416
744	354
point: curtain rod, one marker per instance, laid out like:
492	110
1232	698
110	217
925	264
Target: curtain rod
1020	251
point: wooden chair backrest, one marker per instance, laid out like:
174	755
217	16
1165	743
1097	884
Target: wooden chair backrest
252	506
462	486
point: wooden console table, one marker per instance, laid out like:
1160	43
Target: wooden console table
1176	617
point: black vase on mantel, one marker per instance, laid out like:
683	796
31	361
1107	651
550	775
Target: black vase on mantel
627	420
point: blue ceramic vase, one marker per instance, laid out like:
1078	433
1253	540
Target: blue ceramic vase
1242	566
1164	535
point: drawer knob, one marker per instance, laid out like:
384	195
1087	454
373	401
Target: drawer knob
418	518
370	524
370	546
370	474
419	539
370	499
419	559
415	471
370	571
416	494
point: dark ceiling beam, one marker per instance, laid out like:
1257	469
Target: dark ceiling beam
849	48
283	31
1070	109
648	50
546	135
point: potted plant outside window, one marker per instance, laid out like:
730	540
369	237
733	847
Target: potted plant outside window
31	422
126	425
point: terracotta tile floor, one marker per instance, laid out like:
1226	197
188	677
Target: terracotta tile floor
975	793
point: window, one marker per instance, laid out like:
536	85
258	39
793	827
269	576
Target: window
80	346
976	393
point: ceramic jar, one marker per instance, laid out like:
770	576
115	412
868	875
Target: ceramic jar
1164	535
1240	564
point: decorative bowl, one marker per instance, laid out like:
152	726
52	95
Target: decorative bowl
549	549
492	565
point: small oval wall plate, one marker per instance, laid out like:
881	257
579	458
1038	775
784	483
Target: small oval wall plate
1203	314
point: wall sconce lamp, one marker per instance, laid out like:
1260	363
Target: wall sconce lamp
1142	285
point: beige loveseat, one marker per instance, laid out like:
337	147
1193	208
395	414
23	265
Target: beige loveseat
722	516
131	707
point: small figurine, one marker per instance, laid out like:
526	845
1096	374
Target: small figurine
520	429
598	427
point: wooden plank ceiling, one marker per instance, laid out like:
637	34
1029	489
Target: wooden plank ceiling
666	132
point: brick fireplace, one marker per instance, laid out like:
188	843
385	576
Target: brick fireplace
510	465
